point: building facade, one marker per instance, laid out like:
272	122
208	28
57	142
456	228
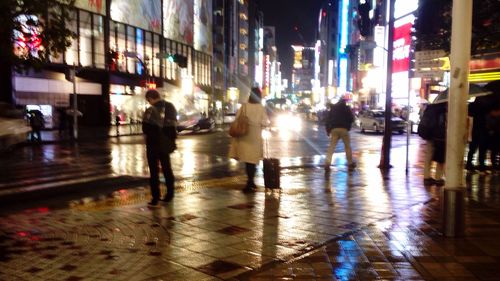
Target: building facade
121	49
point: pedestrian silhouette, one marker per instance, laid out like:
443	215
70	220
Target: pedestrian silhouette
158	126
37	123
479	136
432	128
338	124
249	148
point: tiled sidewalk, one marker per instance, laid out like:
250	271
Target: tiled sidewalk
409	246
338	226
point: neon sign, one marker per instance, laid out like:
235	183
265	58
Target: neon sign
402	44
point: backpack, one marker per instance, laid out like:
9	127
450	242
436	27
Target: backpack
431	124
37	121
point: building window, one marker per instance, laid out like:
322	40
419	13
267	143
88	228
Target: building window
120	46
131	47
71	54
140	64
85	38
98	41
155	59
197	66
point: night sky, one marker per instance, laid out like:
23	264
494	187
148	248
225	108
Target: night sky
284	15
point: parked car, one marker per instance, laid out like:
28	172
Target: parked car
13	127
194	123
229	117
374	120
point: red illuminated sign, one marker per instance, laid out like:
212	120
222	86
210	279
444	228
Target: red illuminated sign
401	48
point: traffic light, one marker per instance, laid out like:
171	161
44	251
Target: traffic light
180	60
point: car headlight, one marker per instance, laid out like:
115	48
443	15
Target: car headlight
289	122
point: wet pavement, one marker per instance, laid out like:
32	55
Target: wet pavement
361	225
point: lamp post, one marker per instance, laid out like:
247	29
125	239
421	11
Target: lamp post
385	163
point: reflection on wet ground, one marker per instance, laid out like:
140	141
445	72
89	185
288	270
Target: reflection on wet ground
360	225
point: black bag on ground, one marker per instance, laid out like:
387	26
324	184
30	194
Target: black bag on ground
272	172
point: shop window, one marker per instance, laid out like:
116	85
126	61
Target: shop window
85	38
99	41
209	73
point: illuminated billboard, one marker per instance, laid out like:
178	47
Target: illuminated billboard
402	44
178	20
203	25
404	7
145	14
96	6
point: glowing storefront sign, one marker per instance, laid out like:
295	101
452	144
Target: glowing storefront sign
27	39
342	75
297	57
330	72
317	51
203	25
146	13
178	20
267	75
402	44
379	53
140	53
96	6
344	24
404	7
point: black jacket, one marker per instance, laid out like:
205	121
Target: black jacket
339	116
159	126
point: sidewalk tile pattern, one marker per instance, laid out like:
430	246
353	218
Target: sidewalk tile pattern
210	230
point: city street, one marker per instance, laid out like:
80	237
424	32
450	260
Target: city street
78	212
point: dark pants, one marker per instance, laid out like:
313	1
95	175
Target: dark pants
154	156
250	169
495	150
478	141
36	135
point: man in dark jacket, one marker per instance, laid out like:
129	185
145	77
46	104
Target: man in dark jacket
158	126
338	124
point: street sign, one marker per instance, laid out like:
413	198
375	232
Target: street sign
436	63
429	55
428	73
129	54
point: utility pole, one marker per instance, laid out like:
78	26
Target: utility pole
456	134
385	160
75	106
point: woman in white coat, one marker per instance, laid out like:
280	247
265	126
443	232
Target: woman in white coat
248	148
